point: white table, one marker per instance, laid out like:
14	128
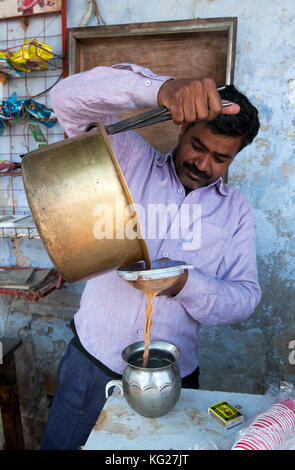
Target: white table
186	426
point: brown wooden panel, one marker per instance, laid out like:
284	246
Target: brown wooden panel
189	48
184	55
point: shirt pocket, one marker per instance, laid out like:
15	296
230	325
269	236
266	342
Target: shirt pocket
214	243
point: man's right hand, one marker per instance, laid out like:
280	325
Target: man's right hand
191	100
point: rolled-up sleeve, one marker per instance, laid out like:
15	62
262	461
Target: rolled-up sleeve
102	93
233	294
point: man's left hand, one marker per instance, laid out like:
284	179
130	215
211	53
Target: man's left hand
177	286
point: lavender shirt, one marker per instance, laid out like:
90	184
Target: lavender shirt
222	288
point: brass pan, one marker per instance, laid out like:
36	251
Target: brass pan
64	182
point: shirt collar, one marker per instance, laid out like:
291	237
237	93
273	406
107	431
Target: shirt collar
222	187
162	159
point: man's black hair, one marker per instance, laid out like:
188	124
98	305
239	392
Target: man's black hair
244	124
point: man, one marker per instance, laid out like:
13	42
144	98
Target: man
222	288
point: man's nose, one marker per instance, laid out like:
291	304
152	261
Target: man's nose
203	163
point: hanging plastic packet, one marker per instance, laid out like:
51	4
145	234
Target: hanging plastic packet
13	108
40	112
31	56
7	165
3	78
27	109
7	69
38	135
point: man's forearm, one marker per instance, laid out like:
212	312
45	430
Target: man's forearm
211	301
102	93
232	294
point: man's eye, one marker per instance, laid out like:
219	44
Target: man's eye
219	160
196	148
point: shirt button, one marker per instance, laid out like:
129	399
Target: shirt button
179	190
140	332
165	254
147	83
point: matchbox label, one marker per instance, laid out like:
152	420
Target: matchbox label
225	411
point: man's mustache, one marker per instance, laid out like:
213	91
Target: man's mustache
197	172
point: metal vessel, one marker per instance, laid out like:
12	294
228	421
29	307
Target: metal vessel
154	390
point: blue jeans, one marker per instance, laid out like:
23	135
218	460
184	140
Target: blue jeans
79	399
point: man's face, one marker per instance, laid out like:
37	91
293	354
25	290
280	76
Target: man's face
201	157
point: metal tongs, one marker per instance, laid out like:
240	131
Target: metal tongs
147	118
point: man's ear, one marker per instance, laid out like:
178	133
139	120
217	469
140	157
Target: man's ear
183	130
